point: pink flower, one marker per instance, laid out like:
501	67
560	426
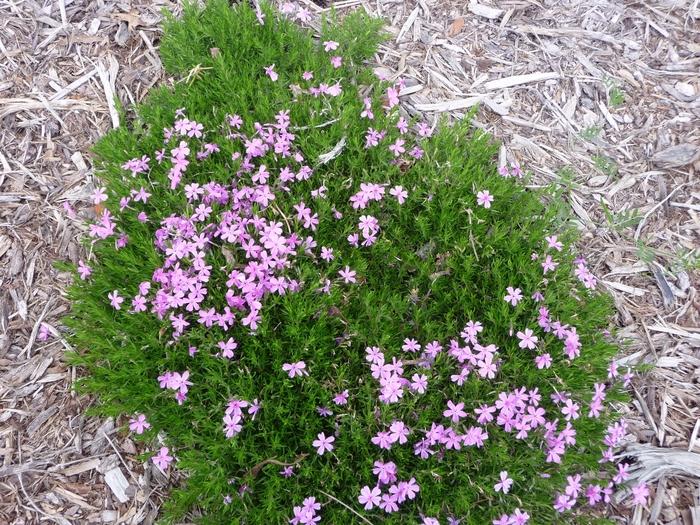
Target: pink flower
505	483
162	459
552	242
348	275
323	444
543	361
99	195
369	497
484	198
84	270
514	295
115	300
570	410
527	339
341	399
336	61
295	369
454	411
397	147
419	382
549	264
389	503
228	347
139	424
307	75
640	493
424	129
563	503
330	45
399	193
270	72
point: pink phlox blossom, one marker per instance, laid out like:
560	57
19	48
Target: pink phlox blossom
163	459
484	198
527	339
369	497
504	484
323	444
139	424
514	295
295	369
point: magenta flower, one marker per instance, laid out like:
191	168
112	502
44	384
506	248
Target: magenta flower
162	459
519	517
323	444
389	503
419	383
570	410
295	369
397	147
454	411
84	270
287	471
543	361
549	264
505	483
484	198
341	399
514	295
330	45
270	72
348	275
115	300
336	61
227	347
99	196
399	193
552	242
563	503
139	424
369	497
640	493
527	339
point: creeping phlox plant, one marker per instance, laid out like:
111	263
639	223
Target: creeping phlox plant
320	309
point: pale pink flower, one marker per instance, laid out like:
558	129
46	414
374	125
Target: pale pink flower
484	198
505	483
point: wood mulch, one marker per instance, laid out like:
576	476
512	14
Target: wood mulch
600	96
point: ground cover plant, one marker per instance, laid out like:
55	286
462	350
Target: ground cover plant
321	310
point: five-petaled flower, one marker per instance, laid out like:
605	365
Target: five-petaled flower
139	424
323	444
504	484
484	198
163	458
295	369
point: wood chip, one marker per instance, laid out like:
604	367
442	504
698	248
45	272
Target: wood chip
517	80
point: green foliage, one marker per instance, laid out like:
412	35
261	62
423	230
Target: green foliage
616	96
590	133
605	164
440	261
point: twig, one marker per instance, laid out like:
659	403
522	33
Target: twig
272	461
656	207
346	506
57	519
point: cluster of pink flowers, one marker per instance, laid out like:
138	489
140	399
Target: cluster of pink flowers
306	513
176	381
234	415
241	220
395	493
